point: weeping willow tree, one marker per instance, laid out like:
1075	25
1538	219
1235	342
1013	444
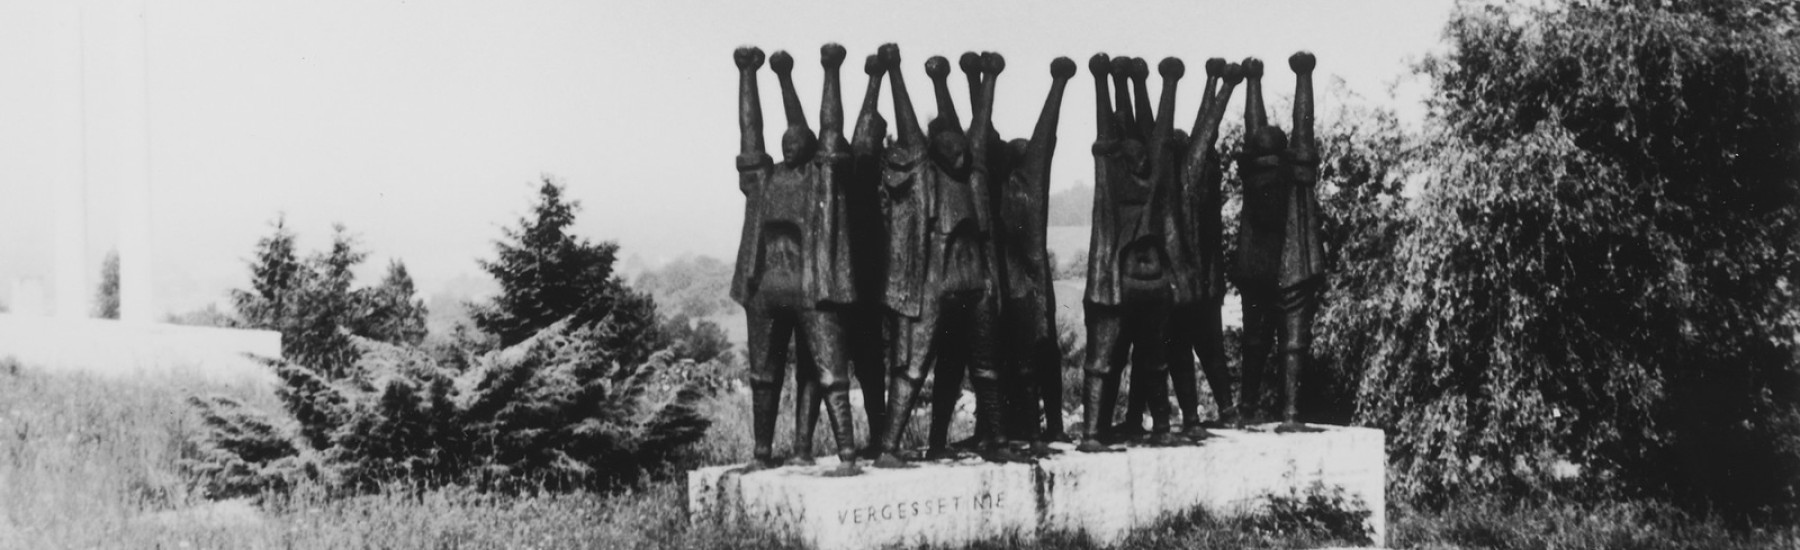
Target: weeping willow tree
1600	266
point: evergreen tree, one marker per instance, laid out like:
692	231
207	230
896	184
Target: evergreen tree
391	312
274	280
316	307
547	275
106	300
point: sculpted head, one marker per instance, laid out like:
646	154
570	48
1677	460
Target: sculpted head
1266	140
949	147
798	144
1134	157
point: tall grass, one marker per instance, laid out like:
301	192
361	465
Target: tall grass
89	462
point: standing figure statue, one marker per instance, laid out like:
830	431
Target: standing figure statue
1194	323
793	273
1196	327
1281	259
1028	338
940	285
867	319
1129	285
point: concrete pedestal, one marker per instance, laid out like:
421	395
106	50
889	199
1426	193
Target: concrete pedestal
1103	494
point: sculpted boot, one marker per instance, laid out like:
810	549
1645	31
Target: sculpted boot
806	421
900	400
992	445
765	403
1290	414
875	407
843	428
1156	396
1093	397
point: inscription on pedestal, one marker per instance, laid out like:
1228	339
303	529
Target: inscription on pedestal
917	508
1104	495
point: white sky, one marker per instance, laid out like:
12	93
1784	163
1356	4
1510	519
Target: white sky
424	126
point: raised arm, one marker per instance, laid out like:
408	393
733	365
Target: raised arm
1127	122
750	127
1302	138
1101	66
938	69
870	128
981	128
1206	130
1254	117
970	62
1043	138
831	102
1146	118
1171	70
795	146
910	134
1215	68
1162	166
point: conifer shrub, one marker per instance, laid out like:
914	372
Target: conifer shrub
556	411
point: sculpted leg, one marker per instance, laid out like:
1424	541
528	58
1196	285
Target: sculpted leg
1149	353
1261	323
979	344
1100	382
768	356
913	357
1135	402
1299	306
946	390
825	336
868	352
1211	349
1181	367
807	396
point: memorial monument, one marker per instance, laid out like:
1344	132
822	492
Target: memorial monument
1195	327
938	236
793	272
1281	260
940	284
1028	338
1129	284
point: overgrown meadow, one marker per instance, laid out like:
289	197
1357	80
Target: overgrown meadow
91	462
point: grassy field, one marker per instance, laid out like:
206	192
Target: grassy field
90	462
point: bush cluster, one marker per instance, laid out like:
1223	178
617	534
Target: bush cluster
567	380
552	412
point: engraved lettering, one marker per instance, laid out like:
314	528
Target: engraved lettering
842	516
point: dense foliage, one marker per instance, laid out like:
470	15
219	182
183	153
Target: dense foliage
1599	270
547	275
106	298
555	411
588	398
314	306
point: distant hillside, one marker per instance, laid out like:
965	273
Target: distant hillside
695	286
1072	206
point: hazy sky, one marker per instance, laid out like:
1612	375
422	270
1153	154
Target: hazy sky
423	126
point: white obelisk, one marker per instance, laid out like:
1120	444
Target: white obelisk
136	302
116	118
69	184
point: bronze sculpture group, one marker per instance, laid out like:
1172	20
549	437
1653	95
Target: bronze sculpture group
926	254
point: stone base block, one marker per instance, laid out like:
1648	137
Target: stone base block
1103	494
